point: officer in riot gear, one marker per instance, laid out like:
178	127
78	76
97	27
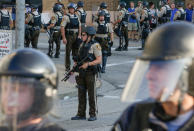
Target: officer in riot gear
28	85
103	7
59	2
102	36
165	13
71	32
164	73
81	13
87	74
144	22
122	22
5	18
180	14
34	22
55	32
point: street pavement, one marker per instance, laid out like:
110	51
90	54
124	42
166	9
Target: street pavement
113	81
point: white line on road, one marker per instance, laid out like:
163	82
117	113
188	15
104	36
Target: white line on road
133	47
128	62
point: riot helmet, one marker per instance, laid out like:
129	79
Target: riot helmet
80	4
180	4
123	4
166	65
101	13
103	5
57	7
90	30
164	2
71	5
28	81
33	6
145	4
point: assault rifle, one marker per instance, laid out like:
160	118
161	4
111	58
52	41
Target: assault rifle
75	68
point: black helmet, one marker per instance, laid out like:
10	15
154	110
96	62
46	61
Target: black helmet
80	4
180	4
90	30
103	5
57	7
166	64
101	13
71	5
145	3
37	72
122	4
164	1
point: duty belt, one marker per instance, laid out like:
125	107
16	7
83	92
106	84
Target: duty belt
102	35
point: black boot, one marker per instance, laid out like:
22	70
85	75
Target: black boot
118	48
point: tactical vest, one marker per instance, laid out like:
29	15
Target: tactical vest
148	18
84	52
126	16
4	23
107	18
168	12
102	28
37	20
83	16
74	22
60	18
182	17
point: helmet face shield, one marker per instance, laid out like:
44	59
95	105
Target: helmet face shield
22	99
155	80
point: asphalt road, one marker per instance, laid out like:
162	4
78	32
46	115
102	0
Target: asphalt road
109	105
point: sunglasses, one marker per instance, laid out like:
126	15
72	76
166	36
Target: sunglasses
84	34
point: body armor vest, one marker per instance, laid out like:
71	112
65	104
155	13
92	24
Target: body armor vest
74	22
60	18
168	12
182	17
4	23
37	20
126	16
102	28
83	16
107	17
84	52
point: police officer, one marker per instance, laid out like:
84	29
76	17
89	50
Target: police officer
81	13
70	30
144	22
180	14
5	18
34	22
59	2
123	17
138	11
87	74
103	30
165	12
154	16
55	32
166	80
28	86
103	7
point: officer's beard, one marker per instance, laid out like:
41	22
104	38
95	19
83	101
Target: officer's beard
160	113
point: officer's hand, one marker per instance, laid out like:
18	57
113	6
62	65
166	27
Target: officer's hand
64	41
84	66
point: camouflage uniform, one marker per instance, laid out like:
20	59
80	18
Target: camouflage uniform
71	33
103	30
34	21
55	34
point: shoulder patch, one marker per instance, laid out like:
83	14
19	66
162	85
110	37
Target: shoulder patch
98	47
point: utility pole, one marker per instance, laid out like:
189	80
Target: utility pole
20	24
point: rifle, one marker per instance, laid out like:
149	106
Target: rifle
75	68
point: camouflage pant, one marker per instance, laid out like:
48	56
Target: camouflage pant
33	40
86	83
71	39
125	35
